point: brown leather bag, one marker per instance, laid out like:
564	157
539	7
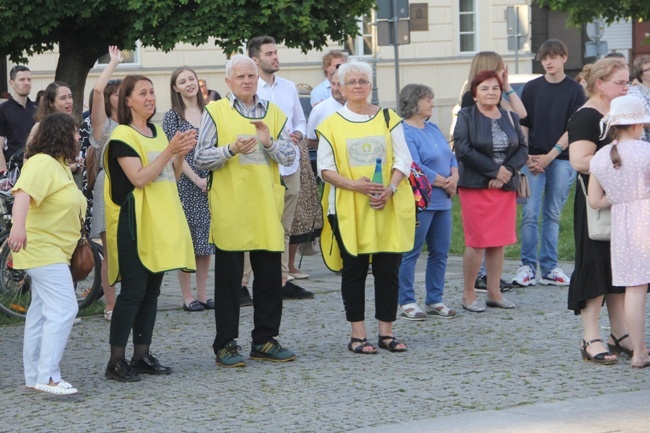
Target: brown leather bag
92	167
83	258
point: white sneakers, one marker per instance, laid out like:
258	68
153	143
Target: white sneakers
62	388
556	277
524	277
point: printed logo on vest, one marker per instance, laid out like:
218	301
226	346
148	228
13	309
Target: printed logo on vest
257	157
167	175
365	150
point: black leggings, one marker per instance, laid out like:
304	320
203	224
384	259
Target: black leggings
137	304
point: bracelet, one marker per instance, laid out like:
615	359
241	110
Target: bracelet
558	148
509	92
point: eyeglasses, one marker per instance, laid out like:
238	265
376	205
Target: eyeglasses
621	83
360	82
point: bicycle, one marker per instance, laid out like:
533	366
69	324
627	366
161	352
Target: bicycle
15	285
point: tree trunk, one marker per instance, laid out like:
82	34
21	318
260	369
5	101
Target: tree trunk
75	61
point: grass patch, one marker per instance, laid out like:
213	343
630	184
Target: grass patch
566	244
95	309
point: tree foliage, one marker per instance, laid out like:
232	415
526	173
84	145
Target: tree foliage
83	29
584	11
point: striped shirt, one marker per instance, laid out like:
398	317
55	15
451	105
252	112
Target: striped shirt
208	156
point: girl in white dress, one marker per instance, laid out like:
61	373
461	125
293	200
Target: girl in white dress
621	179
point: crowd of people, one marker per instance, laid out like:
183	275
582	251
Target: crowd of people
231	177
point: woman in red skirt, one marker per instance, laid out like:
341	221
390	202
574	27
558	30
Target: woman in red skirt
490	148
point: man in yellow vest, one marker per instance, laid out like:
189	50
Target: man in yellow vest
242	140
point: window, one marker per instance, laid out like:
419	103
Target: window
467	26
131	57
363	45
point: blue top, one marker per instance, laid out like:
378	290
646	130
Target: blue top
432	153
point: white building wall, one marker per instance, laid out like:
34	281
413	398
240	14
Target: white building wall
432	58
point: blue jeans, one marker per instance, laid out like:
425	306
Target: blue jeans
553	186
435	228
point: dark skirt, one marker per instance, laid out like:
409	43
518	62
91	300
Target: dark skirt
592	275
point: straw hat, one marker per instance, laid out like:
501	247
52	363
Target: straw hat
624	110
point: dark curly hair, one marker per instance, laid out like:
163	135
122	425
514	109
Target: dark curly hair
55	137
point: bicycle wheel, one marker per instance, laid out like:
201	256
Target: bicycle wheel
90	289
15	285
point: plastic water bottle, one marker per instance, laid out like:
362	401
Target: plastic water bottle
378	177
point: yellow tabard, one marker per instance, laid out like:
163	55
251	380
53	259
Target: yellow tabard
163	236
356	147
246	195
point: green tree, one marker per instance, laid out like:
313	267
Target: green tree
584	11
83	29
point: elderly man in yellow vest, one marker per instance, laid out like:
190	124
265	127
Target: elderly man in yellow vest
242	140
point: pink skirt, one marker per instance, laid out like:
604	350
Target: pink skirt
489	217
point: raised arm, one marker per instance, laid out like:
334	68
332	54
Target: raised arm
97	112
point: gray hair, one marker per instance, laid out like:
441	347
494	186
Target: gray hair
236	60
354	66
409	97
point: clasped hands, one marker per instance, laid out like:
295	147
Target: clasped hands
537	163
376	192
248	144
503	177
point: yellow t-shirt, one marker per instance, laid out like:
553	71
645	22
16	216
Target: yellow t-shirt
56	203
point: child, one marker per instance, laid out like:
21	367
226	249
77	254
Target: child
622	169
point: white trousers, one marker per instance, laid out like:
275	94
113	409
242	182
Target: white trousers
49	321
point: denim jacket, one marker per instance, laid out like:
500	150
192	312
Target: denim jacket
473	145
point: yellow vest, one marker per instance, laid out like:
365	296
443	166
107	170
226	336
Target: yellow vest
356	147
246	195
164	241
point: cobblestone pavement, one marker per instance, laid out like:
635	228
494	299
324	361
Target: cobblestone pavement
494	361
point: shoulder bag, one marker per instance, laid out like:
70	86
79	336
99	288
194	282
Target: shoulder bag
599	221
83	258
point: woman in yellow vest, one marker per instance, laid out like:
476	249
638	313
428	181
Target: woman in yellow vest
46	224
370	221
146	229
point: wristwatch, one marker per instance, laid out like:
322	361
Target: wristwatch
393	188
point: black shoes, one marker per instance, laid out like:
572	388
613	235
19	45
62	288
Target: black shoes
481	284
194	306
292	291
122	372
149	365
245	297
208	305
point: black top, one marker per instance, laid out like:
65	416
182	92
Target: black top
549	107
121	186
16	122
585	125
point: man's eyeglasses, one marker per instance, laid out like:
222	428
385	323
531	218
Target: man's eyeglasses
360	82
621	83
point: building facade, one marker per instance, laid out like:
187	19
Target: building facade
445	36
